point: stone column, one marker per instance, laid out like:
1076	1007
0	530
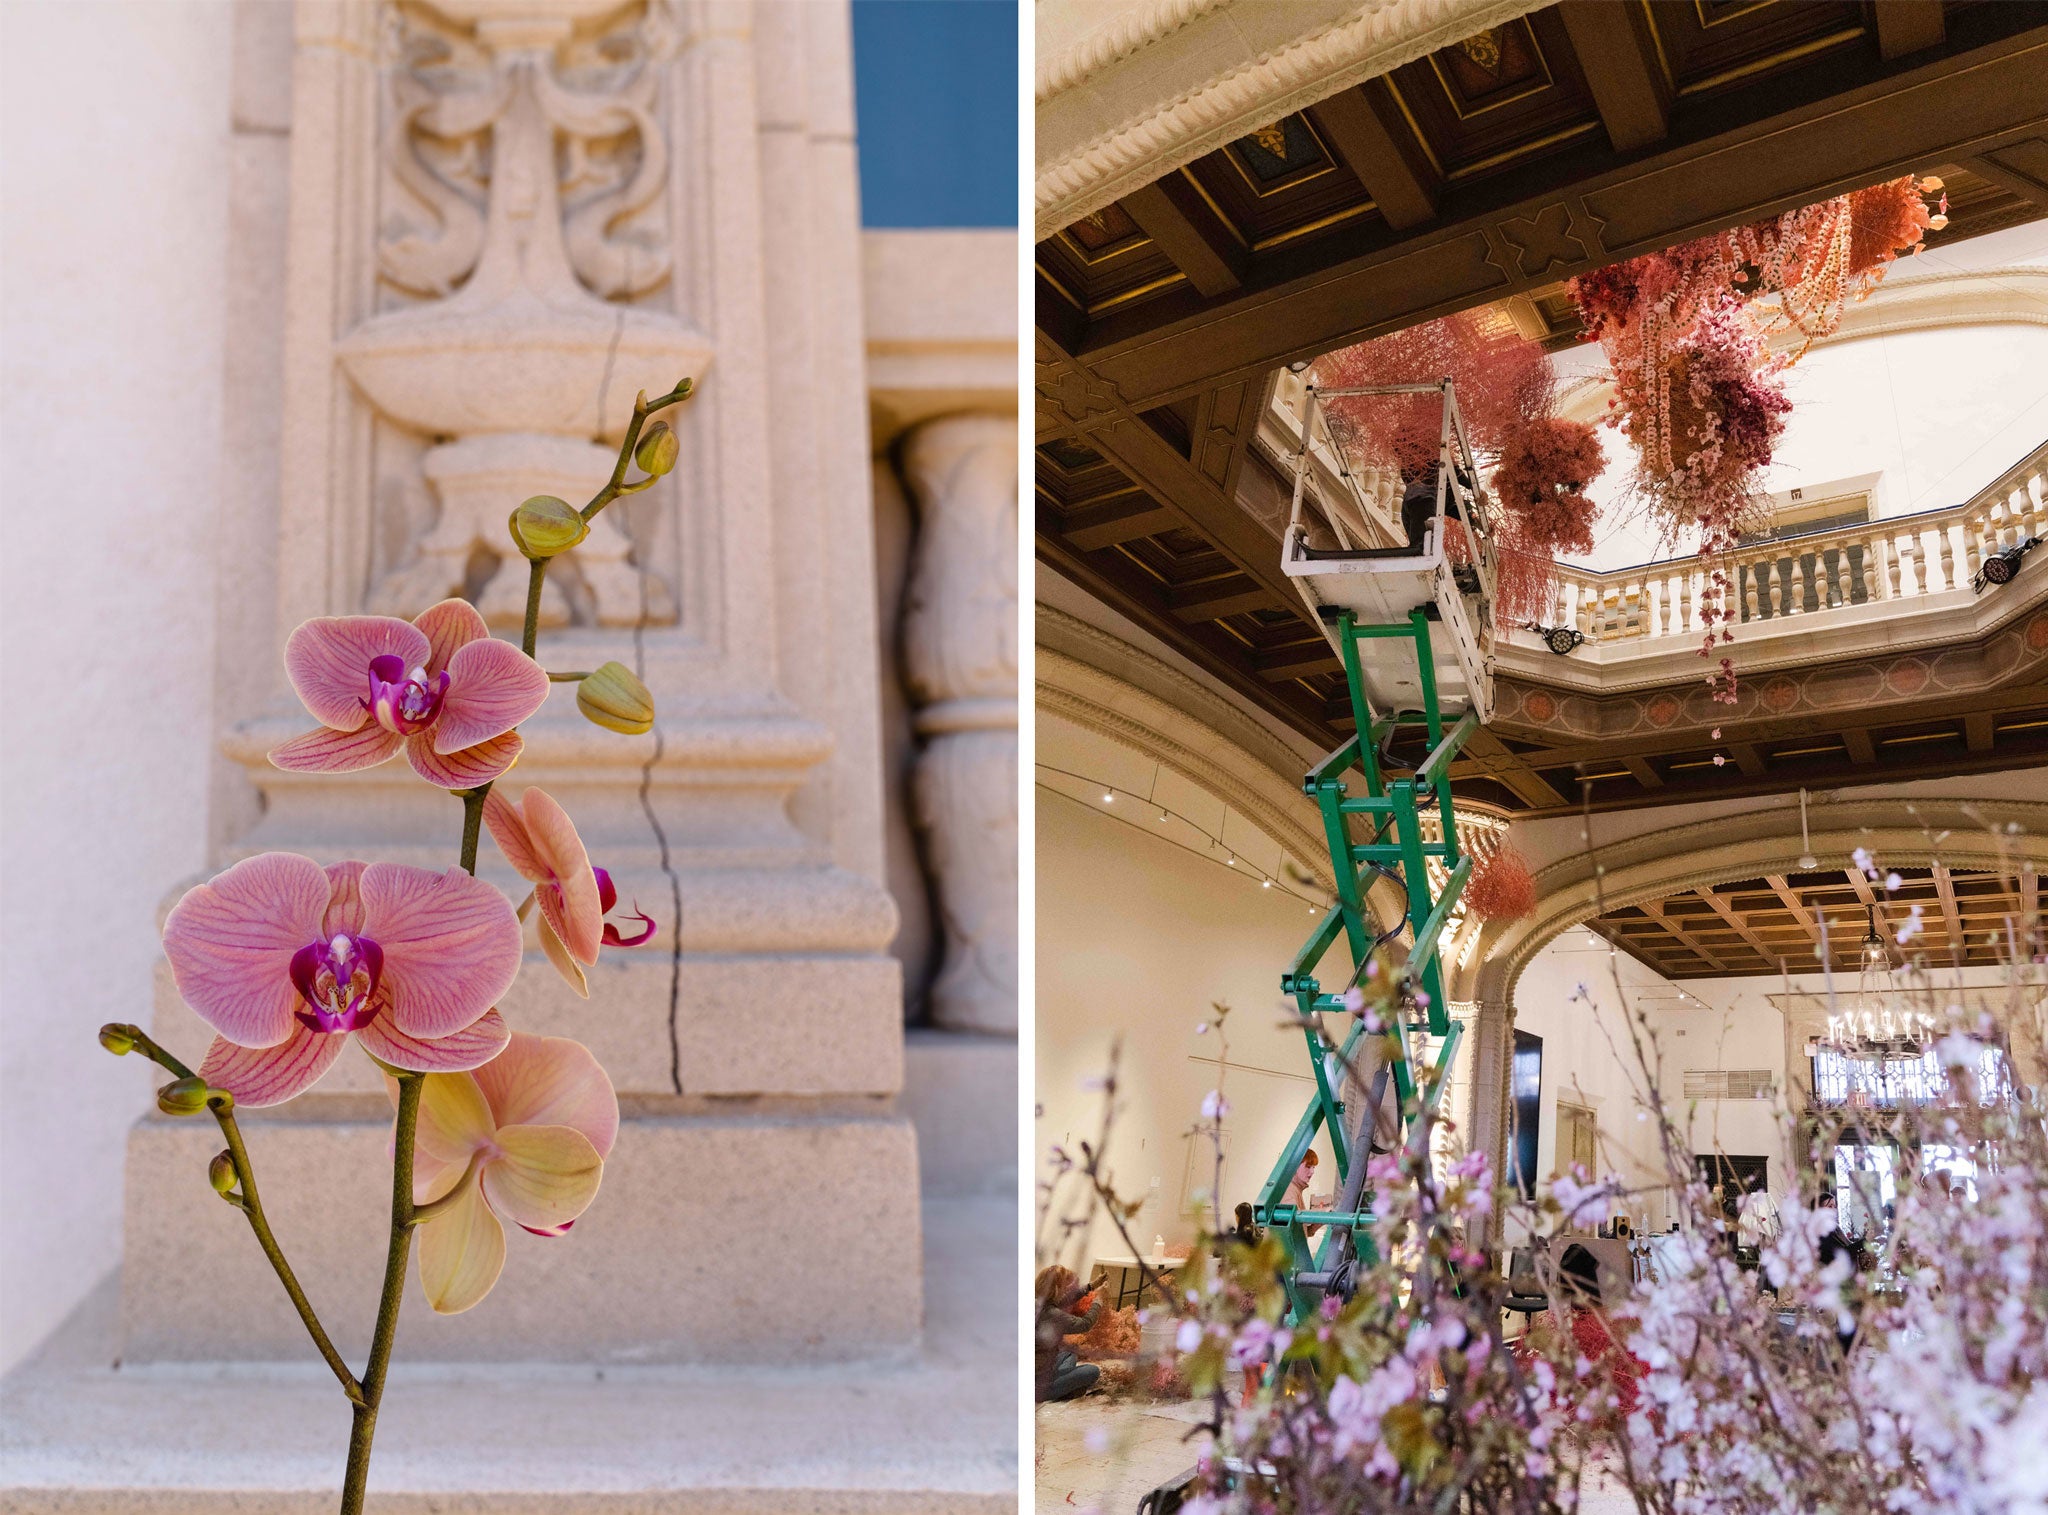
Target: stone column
1492	1061
960	651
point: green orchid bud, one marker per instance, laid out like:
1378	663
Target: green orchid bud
118	1039
614	699
544	526
221	1172
658	447
182	1096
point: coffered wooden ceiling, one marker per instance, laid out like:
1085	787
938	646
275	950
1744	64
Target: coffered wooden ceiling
1777	924
1486	173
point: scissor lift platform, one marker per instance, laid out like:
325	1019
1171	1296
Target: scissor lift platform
1412	624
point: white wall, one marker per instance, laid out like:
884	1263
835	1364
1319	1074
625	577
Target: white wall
1136	938
1573	994
113	170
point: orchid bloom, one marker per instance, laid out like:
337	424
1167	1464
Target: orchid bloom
523	1138
540	842
287	960
440	687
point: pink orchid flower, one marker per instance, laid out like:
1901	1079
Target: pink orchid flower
287	960
441	688
524	1139
540	842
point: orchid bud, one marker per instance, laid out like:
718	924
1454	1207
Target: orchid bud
657	451
616	700
182	1096
221	1172
544	526
117	1039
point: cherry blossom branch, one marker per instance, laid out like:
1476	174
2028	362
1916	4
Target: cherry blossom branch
248	1201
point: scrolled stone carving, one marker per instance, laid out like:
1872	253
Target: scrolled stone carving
960	652
526	131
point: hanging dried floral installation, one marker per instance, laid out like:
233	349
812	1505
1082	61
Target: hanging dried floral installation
1698	391
1500	887
1507	394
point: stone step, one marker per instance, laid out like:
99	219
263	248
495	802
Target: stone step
931	1434
726	1231
960	1091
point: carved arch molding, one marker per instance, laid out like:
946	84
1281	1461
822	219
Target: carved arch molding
1961	832
1104	685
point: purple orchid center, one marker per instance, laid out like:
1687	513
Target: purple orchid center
404	701
607	897
337	979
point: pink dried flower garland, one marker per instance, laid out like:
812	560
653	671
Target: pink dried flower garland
1696	387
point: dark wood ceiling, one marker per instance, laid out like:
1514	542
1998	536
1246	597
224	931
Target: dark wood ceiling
1486	173
1777	924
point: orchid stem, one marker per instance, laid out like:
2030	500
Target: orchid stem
642	409
364	1426
252	1206
473	823
536	576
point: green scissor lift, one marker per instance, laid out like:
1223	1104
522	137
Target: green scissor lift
1442	636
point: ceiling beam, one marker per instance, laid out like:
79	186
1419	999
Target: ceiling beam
1190	233
1945	888
1298	662
1853	124
1093	527
1623	70
2021	170
1905	27
1214	599
1644	774
1783	889
1367	129
1655	911
1720	906
1492	758
1155	463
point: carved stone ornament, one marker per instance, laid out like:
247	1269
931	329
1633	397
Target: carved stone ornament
524	209
960	650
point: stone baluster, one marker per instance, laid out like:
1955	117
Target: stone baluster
1687	589
960	651
1944	541
2037	511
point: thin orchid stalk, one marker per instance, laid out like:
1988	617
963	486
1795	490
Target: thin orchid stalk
250	1203
405	1215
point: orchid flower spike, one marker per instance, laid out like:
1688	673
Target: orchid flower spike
540	842
287	960
440	688
524	1139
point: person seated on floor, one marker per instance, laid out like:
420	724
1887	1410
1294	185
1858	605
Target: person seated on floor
1060	1373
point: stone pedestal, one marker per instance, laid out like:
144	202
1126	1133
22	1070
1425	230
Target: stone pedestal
507	216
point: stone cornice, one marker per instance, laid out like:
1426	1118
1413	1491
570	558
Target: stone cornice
1138	26
1373	38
